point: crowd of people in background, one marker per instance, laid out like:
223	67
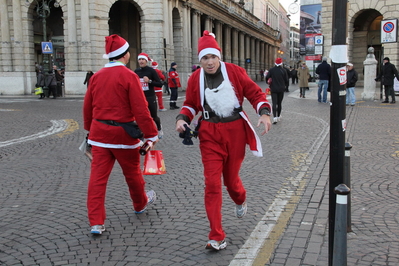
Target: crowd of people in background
50	82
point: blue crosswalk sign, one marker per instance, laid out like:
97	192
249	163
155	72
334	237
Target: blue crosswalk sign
47	47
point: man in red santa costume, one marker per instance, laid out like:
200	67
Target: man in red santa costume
218	91
115	97
158	90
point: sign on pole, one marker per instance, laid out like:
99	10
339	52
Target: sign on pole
47	47
389	30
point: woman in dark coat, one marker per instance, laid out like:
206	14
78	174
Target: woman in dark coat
279	81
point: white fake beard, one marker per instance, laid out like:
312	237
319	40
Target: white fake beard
222	99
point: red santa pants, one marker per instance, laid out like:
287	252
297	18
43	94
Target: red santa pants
101	166
223	149
160	100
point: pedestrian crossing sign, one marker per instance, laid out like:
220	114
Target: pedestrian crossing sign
47	47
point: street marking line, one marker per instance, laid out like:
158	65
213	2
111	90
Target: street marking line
263	238
72	126
57	126
9	110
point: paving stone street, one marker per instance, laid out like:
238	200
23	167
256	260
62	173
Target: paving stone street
44	179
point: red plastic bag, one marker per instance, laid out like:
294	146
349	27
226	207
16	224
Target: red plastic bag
154	163
268	92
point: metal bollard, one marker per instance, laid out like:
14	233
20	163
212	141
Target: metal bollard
347	181
340	240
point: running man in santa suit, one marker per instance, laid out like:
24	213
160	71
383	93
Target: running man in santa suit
218	91
115	96
158	90
149	80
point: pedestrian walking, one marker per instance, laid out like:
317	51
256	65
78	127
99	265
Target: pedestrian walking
174	84
387	75
41	82
279	80
89	74
51	84
289	77
149	80
59	78
324	72
224	129
158	90
351	79
303	77
294	75
115	98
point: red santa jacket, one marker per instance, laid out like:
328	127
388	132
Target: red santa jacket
243	86
115	93
161	77
173	75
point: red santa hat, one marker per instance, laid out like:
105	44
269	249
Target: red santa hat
115	46
145	56
154	65
207	44
279	61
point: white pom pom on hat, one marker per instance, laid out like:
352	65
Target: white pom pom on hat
207	44
115	45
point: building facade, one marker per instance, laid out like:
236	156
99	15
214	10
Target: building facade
167	30
364	28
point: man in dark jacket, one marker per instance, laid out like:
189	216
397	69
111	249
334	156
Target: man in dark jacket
324	72
351	79
149	79
278	85
386	76
294	75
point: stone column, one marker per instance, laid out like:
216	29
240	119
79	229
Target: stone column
370	72
186	60
71	48
226	49
252	66
5	58
247	54
219	33
195	34
234	47
241	54
262	55
209	24
85	51
17	57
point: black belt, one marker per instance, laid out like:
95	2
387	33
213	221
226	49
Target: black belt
212	117
114	123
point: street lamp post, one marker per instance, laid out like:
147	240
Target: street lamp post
43	11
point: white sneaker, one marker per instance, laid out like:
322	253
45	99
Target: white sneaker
241	210
278	118
97	229
151	197
163	110
160	134
275	120
216	245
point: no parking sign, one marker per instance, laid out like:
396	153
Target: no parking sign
389	30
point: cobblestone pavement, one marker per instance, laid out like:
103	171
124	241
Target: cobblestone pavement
44	180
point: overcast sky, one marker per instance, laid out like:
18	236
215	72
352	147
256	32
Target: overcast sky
294	17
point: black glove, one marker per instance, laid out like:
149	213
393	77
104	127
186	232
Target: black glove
187	135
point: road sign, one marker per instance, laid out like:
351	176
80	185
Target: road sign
342	75
318	39
47	47
389	31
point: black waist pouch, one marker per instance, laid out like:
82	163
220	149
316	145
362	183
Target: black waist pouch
132	129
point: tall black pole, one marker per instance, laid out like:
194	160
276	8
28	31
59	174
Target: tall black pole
337	111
